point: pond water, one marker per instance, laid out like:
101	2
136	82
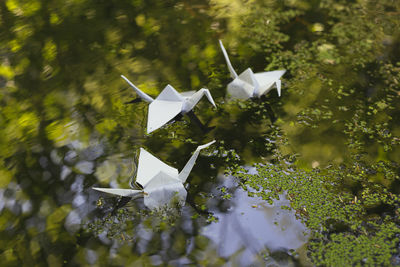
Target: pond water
331	138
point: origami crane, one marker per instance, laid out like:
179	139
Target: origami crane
160	182
169	103
248	84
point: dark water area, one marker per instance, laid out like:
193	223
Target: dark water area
66	127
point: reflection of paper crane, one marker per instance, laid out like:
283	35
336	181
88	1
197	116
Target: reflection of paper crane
160	182
249	84
169	103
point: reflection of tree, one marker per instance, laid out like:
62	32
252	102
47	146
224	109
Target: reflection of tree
61	63
171	232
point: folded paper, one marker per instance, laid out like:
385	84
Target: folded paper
248	84
160	182
169	103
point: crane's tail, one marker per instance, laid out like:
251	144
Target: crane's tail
141	94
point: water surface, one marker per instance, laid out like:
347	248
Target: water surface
66	127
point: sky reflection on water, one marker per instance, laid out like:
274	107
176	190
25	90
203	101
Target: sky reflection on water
250	227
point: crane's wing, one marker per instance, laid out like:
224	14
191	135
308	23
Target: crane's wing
119	192
183	175
228	62
149	166
161	179
169	94
247	76
243	86
238	89
268	79
256	90
141	94
161	112
164	108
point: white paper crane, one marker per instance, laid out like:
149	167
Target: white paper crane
249	84
169	103
160	182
